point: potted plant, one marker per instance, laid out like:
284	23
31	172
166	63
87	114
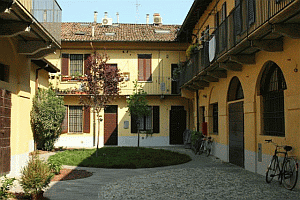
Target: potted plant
191	50
36	177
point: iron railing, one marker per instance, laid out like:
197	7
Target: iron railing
48	13
160	85
243	20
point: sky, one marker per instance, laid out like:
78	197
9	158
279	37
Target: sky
130	11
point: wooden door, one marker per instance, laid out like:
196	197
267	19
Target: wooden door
111	125
5	118
236	134
177	124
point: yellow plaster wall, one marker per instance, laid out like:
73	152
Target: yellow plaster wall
249	77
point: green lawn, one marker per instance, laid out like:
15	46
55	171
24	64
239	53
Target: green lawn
120	157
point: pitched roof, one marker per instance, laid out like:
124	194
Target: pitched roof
73	31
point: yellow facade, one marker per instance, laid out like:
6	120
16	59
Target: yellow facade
257	153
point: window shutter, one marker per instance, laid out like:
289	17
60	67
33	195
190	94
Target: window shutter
251	12
65	64
141	69
237	20
224	12
65	122
156	119
133	124
86	70
148	69
86	119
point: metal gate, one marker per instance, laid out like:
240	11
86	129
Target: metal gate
177	124
5	116
236	133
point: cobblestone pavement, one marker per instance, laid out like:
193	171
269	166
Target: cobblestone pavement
202	178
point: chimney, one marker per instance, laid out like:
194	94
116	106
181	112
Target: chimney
147	18
95	16
157	20
105	15
93	31
118	17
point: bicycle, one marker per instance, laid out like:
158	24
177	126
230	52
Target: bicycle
287	171
206	145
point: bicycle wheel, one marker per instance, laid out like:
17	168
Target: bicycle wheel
208	148
271	172
290	173
202	147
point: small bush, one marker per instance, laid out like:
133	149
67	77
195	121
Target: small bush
36	176
55	166
6	183
195	135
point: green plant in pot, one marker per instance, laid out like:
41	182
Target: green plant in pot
36	177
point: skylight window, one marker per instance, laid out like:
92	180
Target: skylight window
110	34
80	33
162	31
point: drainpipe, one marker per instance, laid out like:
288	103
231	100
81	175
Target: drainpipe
37	79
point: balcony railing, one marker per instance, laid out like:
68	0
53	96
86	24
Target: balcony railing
48	13
160	85
243	20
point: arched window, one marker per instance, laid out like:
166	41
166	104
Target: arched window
235	91
271	89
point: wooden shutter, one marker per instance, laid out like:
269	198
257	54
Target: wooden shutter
251	12
65	122
65	64
86	70
144	67
156	119
238	18
133	124
224	12
86	119
5	124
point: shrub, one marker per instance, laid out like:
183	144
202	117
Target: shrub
36	176
6	183
47	115
55	166
195	135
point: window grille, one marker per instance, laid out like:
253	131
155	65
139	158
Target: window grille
75	119
76	64
272	91
215	118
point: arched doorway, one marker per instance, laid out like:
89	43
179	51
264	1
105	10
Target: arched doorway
272	86
235	98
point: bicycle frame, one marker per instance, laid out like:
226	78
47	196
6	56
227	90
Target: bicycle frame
275	156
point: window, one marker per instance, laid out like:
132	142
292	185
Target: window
76	64
146	123
75	117
144	67
215	121
272	91
4	72
235	91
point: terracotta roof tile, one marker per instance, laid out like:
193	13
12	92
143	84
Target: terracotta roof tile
72	31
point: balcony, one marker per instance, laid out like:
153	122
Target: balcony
48	13
252	26
159	86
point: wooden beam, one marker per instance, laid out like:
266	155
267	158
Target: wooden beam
42	53
288	30
32	47
209	78
201	84
218	73
11	28
243	59
231	66
269	45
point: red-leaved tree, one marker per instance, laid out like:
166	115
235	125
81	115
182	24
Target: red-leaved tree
101	85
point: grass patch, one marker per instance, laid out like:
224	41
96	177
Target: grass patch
120	157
